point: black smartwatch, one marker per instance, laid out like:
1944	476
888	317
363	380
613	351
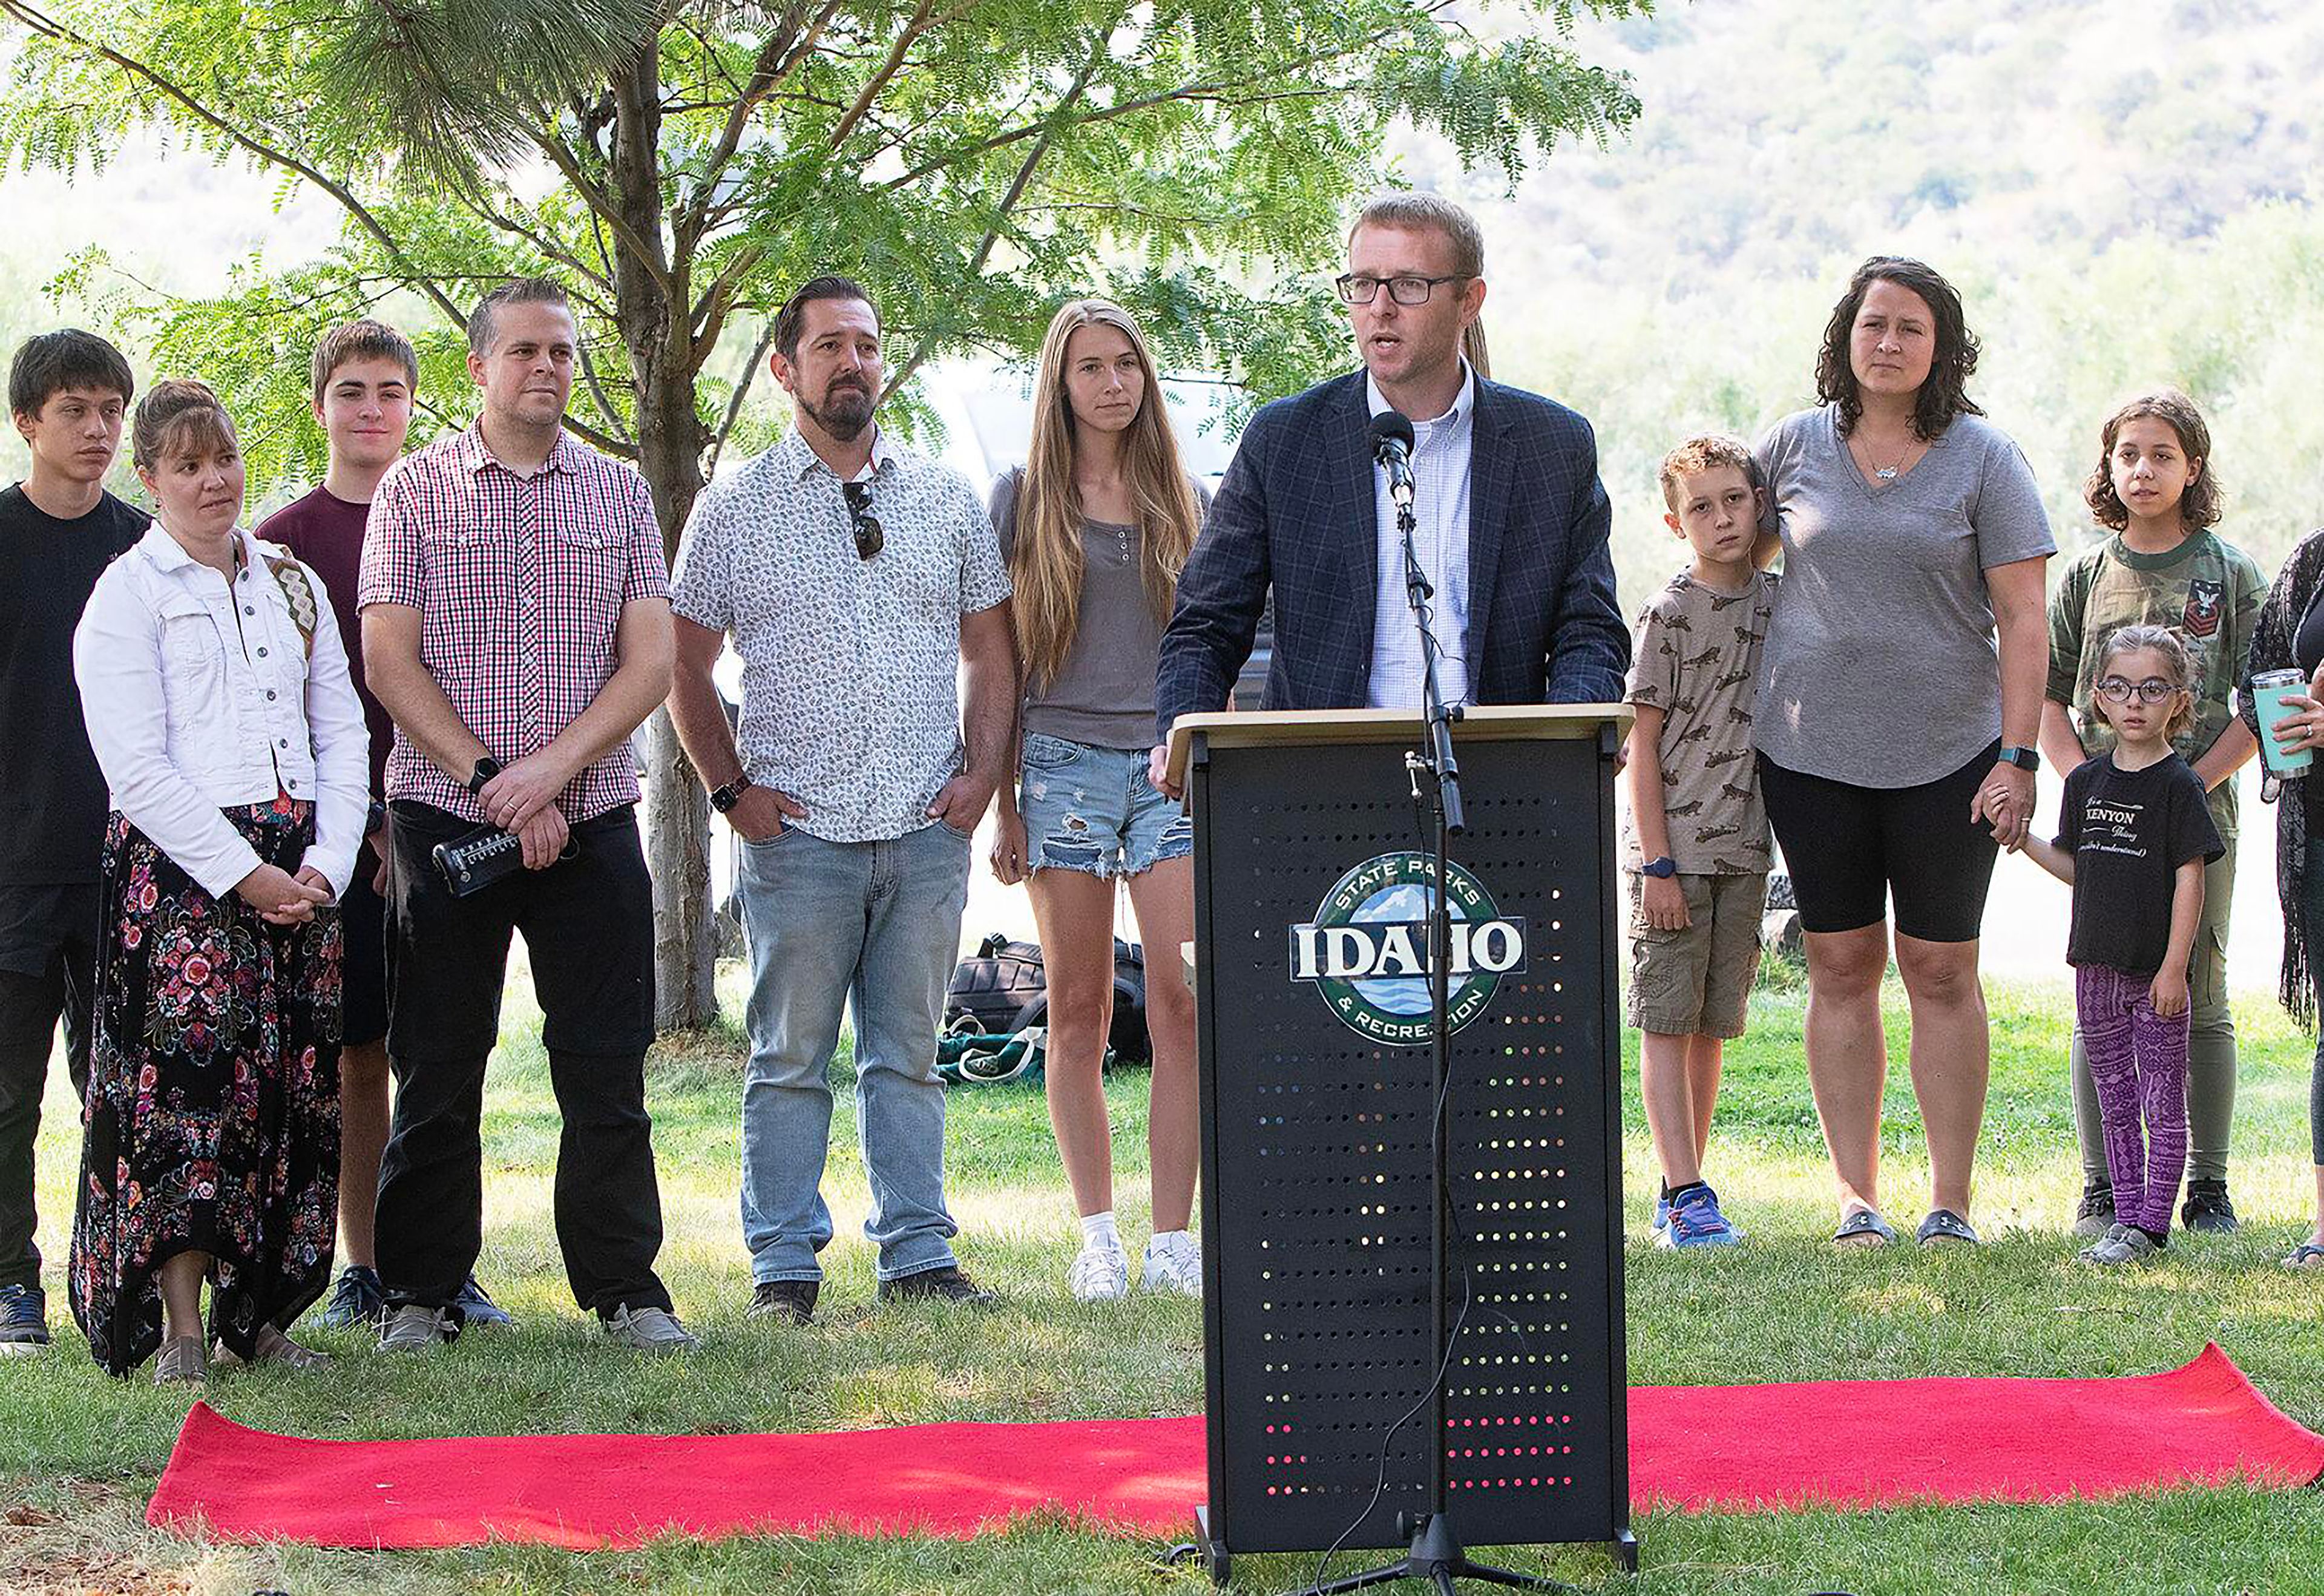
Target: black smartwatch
722	799
2024	759
486	768
1663	867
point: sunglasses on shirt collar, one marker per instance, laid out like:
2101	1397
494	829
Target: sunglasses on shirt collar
869	538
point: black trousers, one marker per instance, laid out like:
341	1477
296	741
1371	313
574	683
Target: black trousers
48	972
588	924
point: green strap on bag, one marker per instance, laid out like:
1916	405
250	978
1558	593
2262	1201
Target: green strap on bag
989	1058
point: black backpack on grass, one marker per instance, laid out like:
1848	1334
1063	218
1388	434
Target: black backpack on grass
1003	988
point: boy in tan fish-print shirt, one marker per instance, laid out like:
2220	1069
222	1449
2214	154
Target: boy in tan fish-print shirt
1697	852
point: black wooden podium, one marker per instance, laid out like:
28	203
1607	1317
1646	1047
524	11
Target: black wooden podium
1311	875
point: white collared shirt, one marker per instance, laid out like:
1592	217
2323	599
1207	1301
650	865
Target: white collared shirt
1441	455
200	696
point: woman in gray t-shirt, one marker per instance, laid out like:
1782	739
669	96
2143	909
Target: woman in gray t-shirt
1095	529
1895	740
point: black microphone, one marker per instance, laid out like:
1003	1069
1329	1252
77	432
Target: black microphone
1392	449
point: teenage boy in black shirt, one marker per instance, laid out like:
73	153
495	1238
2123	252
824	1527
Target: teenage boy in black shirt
59	528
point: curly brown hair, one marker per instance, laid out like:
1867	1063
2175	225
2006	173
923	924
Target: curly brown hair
2201	505
1945	392
1699	453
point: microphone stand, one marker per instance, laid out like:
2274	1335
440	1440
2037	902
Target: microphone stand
1436	1555
1443	769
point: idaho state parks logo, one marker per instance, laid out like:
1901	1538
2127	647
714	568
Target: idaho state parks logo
1367	949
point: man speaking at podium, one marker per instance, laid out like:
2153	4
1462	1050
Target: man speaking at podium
1511	519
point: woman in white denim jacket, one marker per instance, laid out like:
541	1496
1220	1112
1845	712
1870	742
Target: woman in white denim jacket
215	690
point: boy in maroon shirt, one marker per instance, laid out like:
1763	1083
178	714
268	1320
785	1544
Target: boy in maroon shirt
364	376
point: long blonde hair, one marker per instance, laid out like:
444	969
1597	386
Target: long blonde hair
1044	560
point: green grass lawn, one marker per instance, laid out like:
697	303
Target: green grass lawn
79	1454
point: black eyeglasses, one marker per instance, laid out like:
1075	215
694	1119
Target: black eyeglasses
2121	690
1404	290
869	538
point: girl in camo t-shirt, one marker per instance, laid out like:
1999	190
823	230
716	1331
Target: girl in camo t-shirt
2154	490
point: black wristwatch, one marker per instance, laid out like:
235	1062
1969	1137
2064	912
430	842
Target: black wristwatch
2024	759
1663	868
374	816
486	768
722	799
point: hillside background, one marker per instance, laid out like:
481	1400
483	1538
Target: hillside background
2126	193
2126	190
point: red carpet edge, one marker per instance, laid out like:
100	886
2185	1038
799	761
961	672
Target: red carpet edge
1837	1444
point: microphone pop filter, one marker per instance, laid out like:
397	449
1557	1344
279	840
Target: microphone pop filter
1391	427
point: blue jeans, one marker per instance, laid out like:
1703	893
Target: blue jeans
877	926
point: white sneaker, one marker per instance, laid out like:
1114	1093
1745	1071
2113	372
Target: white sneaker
1100	1274
1174	1263
411	1328
647	1329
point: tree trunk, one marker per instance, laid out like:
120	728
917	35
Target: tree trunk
677	854
651	305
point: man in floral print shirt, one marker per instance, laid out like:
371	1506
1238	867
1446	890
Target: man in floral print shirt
855	580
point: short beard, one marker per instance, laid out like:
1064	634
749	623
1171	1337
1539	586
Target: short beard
844	417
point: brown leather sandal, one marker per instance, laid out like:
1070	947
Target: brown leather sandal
179	1362
274	1347
271	1347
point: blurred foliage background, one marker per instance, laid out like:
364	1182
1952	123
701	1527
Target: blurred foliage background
2125	190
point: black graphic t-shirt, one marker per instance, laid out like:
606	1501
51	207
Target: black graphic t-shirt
2129	831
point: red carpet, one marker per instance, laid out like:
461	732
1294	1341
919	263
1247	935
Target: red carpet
1846	1444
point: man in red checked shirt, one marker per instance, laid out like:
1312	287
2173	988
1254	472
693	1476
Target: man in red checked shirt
516	626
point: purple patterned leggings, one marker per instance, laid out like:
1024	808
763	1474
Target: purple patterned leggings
2138	1061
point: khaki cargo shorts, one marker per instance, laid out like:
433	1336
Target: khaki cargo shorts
1696	981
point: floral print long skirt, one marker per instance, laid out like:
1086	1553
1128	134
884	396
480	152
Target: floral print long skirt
212	1119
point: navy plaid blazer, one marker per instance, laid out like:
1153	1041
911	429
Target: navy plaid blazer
1297	512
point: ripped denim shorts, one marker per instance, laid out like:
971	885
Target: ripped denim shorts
1091	809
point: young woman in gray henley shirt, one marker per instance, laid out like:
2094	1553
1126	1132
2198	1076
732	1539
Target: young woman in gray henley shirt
1896	741
1095	529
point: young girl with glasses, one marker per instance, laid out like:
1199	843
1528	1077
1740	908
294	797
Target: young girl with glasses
2135	833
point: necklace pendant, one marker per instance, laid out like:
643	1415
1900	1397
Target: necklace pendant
1886	473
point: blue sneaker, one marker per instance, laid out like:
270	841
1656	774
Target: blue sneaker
356	1299
1695	1221
1662	1212
475	1311
24	1320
